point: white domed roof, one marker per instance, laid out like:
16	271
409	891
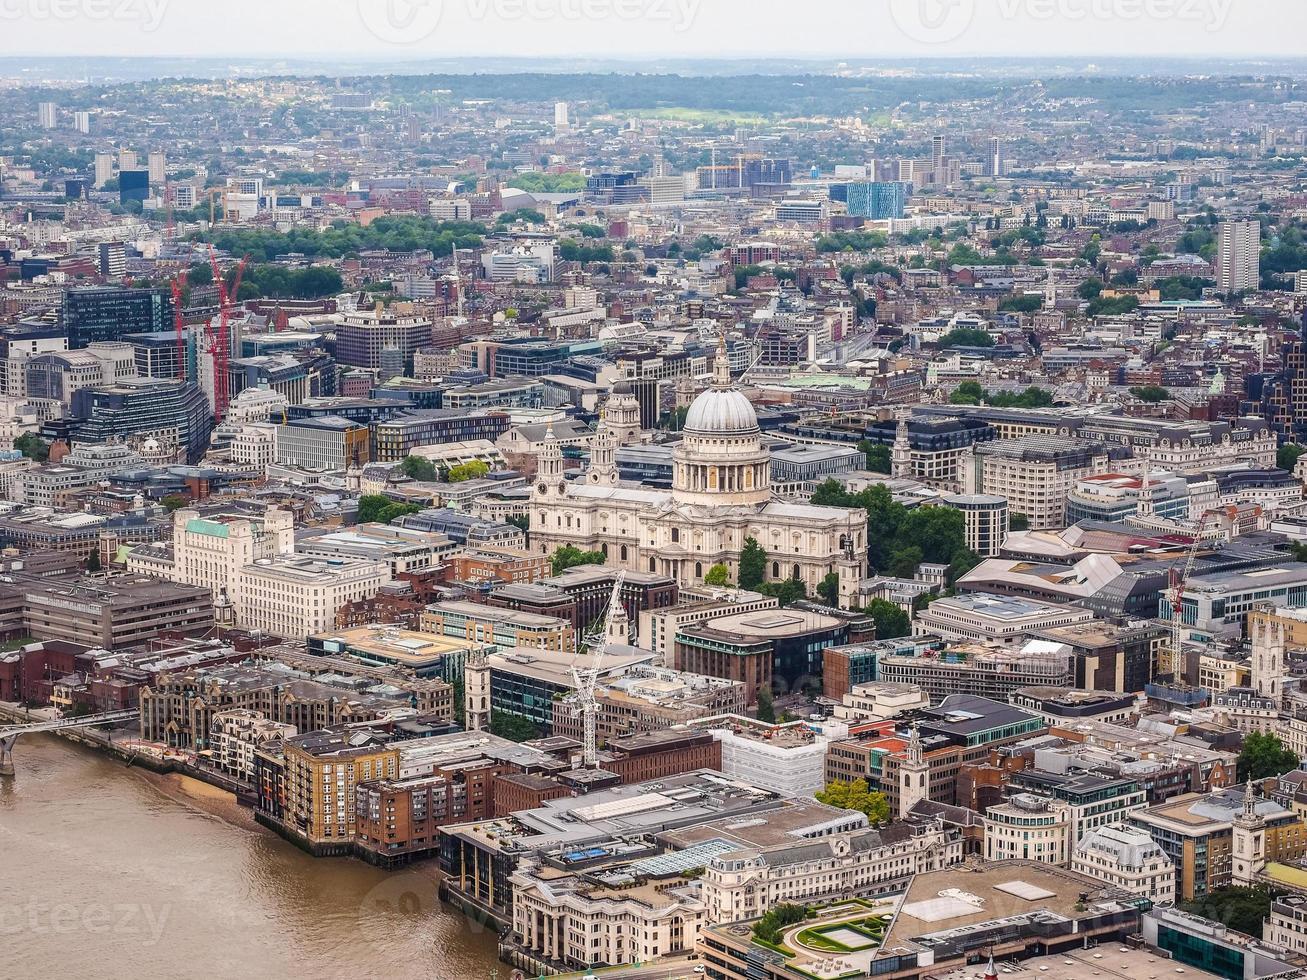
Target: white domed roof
721	411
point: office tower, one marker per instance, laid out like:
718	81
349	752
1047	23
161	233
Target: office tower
994	157
560	115
110	313
113	259
48	115
103	169
937	150
1283	395
1238	255
157	164
142	406
82	121
133	185
126	159
875	200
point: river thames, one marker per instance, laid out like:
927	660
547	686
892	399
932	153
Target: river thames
115	872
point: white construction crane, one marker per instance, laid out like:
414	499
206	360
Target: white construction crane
586	679
1175	591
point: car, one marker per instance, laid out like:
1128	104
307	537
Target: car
700	969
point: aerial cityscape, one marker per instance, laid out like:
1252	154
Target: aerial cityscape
653	490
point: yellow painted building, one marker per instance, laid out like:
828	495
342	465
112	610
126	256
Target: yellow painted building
322	769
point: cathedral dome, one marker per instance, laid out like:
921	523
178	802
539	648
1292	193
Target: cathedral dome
721	411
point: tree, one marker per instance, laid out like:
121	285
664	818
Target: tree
1151	393
1242	909
967	393
776	919
1264	755
93	562
787	591
891	620
753	564
718	575
515	728
418	468
172	502
766	706
1286	458
1018	522
376	509
32	446
460	701
569	557
856	795
1027	303
829	589
878	456
472	470
966	337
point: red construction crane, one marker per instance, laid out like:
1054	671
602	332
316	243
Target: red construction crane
179	322
221	344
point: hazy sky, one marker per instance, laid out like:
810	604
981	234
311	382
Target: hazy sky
408	29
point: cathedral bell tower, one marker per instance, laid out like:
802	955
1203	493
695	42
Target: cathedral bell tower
549	468
602	470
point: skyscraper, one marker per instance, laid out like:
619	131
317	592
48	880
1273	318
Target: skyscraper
82	121
48	115
133	185
126	159
994	157
157	164
1238	255
875	199
103	169
108	313
560	115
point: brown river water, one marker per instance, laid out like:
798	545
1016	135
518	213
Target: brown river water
107	871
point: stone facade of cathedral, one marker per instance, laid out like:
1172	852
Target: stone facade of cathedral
721	495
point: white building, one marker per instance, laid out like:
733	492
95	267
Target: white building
1238	255
255	446
257	405
994	619
1028	828
236	734
571	920
211	551
294	596
879	700
786	759
744	884
1128	858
